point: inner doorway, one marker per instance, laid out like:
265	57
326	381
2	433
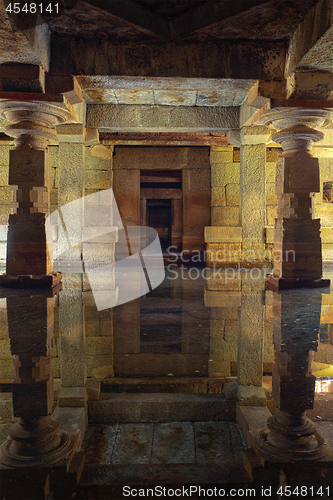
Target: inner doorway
161	205
159	218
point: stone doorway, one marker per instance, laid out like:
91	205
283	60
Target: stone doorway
179	174
159	218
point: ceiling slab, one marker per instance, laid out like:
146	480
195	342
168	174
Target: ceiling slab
248	19
111	19
223	60
320	56
314	26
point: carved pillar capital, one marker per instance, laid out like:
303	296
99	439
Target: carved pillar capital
297	127
32	122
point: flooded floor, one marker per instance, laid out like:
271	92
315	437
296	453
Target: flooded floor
160	371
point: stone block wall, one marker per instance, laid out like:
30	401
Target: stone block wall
224	238
225	177
224	331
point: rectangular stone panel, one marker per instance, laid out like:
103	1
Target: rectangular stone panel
213	442
173	443
133	444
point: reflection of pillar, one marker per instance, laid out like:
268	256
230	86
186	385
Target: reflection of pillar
34	440
251	341
290	435
72	338
28	261
297	243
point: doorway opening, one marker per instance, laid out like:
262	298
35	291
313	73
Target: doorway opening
159	218
162	205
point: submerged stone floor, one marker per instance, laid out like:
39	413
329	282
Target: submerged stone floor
169	453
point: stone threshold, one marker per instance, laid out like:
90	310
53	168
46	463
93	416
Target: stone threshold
165	385
161	407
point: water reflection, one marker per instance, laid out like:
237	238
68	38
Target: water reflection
198	334
35	440
290	434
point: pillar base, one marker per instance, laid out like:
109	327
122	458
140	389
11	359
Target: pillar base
44	482
51	280
275	284
268	474
311	448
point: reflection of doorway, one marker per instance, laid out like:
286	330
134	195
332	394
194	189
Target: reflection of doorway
159	217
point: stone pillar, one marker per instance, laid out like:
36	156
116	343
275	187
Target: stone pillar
223	343
196	195
29	253
290	435
297	243
34	440
71	174
224	236
251	341
252	200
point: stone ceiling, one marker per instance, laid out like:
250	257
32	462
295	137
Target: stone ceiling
193	53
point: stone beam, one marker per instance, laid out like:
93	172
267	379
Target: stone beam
163	139
317	21
242	60
36	32
22	78
310	85
137	118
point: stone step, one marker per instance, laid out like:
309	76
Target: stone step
174	474
159	407
192	385
164	453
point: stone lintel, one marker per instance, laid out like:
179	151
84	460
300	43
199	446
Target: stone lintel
221	234
22	77
163	139
155	118
309	31
77	133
